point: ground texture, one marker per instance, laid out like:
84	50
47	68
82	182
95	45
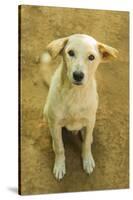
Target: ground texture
39	26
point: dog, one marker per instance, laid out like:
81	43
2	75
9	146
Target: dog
72	100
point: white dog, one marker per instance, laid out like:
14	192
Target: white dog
72	99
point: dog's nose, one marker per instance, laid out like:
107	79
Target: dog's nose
78	76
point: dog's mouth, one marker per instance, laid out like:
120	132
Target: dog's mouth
77	83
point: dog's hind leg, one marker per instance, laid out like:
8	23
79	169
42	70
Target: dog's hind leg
82	134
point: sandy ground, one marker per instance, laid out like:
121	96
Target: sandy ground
39	26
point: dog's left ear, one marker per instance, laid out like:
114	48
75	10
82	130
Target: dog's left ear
56	46
107	53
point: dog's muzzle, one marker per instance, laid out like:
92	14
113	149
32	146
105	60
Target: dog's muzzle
78	77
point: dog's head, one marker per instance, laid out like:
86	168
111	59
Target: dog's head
81	56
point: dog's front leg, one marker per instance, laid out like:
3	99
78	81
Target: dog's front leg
88	161
59	169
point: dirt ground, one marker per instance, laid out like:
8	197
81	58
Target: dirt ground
39	26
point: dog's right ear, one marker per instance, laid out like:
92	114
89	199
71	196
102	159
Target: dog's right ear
53	50
56	46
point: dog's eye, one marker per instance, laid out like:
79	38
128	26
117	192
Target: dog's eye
71	53
91	57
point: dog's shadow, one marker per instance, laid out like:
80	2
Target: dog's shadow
74	141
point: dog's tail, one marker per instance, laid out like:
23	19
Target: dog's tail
45	58
47	67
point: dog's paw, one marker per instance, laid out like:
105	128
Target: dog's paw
59	170
89	164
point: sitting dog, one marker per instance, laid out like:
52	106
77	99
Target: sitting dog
72	99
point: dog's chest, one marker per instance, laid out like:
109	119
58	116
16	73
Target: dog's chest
78	107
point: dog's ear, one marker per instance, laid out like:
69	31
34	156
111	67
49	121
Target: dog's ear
56	46
107	53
